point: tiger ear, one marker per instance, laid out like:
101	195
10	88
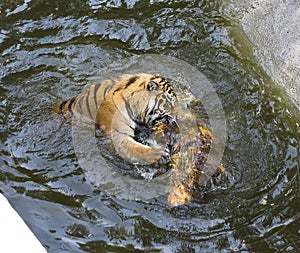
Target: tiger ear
152	85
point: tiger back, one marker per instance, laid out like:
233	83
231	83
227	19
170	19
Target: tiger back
87	103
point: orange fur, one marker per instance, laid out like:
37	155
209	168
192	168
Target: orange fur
118	105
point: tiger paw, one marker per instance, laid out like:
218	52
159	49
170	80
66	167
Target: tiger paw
156	155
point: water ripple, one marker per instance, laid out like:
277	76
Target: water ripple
50	49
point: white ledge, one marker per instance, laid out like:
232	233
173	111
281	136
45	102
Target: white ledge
15	236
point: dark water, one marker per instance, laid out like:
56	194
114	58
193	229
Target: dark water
49	49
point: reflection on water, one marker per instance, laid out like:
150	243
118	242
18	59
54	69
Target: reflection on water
50	49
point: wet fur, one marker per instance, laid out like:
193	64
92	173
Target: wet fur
119	105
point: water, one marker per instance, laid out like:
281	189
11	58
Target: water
50	49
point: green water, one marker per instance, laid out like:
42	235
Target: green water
50	49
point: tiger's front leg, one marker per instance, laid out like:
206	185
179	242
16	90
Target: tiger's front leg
136	152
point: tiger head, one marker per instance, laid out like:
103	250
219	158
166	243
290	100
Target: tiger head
152	101
165	90
163	104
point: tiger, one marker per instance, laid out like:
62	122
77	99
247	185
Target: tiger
119	106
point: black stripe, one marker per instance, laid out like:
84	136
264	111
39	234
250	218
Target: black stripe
162	80
161	118
130	113
154	109
129	110
160	101
88	105
71	103
148	113
131	81
107	89
62	105
118	89
157	103
96	88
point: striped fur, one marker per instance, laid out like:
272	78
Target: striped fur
119	105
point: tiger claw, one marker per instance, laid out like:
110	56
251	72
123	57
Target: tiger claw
154	155
157	155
